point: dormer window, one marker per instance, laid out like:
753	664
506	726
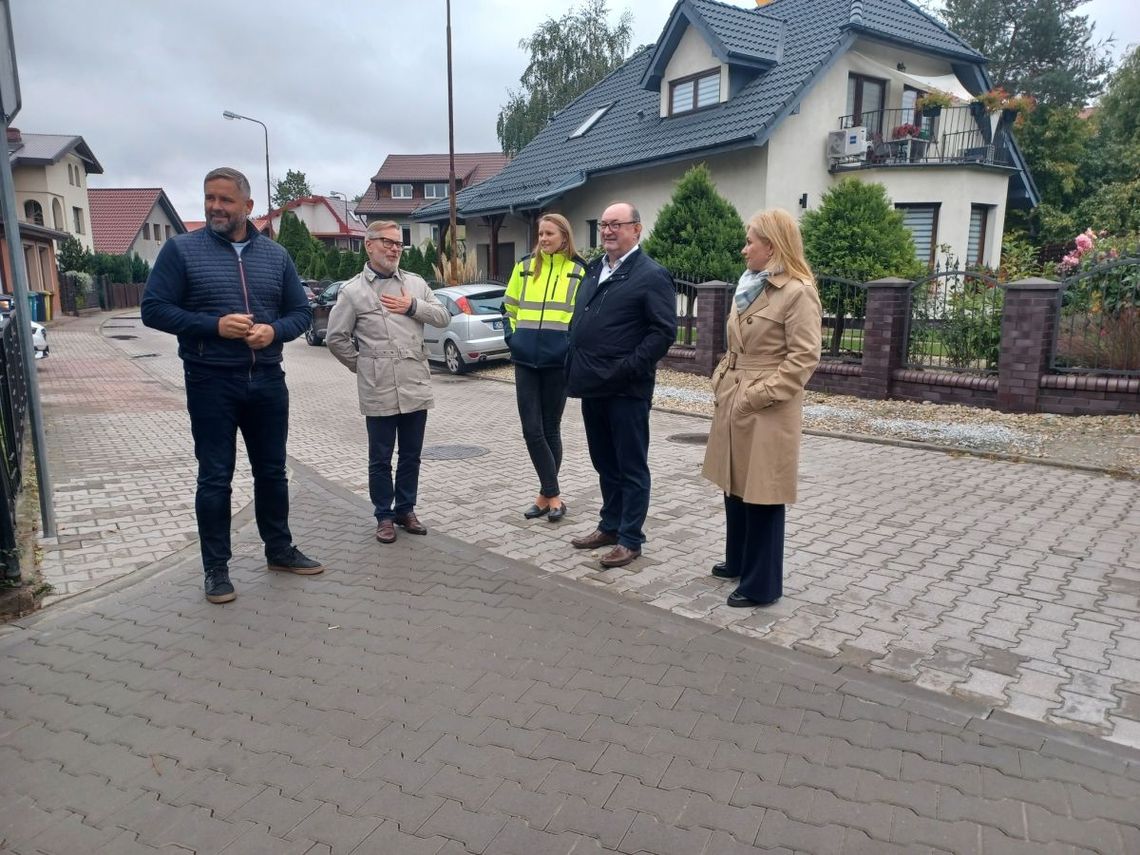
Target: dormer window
590	122
694	92
401	191
435	191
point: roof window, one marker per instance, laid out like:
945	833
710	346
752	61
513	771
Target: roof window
592	120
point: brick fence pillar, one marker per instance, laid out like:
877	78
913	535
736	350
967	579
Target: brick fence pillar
884	334
1028	330
712	312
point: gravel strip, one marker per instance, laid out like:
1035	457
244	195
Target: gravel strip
1111	443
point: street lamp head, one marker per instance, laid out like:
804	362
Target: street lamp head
226	114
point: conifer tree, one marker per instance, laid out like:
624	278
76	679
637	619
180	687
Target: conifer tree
698	233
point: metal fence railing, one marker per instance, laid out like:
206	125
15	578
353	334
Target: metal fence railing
1098	322
13	412
955	322
844	314
686	289
896	137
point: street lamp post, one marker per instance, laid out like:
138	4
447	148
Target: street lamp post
451	154
227	114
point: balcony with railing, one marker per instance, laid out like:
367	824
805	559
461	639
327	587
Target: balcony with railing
906	138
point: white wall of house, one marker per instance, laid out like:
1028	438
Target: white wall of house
739	175
62	195
955	198
797	151
158	230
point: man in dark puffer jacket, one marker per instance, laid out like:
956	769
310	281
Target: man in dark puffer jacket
233	298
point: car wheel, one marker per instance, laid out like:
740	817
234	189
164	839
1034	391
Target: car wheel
311	337
452	359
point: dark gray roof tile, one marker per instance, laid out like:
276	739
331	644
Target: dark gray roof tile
806	34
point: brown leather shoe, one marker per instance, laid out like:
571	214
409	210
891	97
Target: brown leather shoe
594	539
410	524
386	531
619	556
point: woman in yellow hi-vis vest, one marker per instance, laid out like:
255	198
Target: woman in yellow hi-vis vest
539	303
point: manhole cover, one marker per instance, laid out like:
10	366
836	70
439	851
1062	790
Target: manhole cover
689	438
452	452
122	337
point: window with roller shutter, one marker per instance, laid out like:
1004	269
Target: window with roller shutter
922	222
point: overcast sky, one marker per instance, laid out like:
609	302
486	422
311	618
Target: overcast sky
341	84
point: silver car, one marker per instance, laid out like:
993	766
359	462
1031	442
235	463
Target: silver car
475	333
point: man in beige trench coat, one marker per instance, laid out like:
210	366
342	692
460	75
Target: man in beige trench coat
384	309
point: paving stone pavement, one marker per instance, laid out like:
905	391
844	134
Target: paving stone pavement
434	697
1015	585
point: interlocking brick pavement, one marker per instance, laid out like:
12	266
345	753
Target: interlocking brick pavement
1014	585
434	697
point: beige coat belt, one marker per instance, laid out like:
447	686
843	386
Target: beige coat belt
391	353
749	362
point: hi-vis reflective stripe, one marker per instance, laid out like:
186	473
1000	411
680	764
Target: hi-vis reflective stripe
550	305
546	323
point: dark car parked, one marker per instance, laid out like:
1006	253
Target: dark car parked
321	306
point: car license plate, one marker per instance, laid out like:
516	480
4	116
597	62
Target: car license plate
496	325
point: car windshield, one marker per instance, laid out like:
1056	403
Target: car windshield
487	302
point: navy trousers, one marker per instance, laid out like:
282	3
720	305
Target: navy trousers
389	499
221	402
754	548
617	432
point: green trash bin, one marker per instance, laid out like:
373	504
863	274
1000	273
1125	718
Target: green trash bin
32	306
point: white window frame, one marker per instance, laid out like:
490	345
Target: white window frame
402	194
435	190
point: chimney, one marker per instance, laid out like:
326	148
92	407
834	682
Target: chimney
14	135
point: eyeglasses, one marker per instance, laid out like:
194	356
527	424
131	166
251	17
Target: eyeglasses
616	224
387	243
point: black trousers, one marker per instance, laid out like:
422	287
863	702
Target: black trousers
617	432
541	394
754	548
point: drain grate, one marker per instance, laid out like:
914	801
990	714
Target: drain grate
122	337
452	452
689	438
144	355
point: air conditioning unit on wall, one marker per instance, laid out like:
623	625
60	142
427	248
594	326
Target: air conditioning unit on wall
848	143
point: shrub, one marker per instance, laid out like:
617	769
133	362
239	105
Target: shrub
698	232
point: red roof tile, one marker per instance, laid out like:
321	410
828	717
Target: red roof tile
118	214
470	168
436	167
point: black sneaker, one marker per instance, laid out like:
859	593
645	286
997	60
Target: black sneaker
294	561
219	589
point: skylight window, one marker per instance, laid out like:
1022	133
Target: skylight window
590	122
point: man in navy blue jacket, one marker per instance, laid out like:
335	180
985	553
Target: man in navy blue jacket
625	319
233	298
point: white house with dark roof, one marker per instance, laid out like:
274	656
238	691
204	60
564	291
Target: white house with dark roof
49	175
136	220
781	101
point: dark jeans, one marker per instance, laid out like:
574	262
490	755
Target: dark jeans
221	402
383	434
617	431
541	394
754	548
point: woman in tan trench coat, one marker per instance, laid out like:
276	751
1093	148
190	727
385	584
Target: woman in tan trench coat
774	335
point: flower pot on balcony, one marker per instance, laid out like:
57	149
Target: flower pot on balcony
978	110
932	111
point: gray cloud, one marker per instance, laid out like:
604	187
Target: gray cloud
340	83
